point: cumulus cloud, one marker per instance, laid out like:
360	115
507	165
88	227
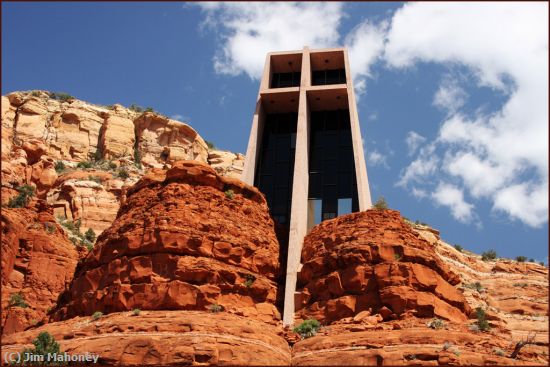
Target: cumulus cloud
501	156
365	46
452	197
375	158
450	96
414	140
249	30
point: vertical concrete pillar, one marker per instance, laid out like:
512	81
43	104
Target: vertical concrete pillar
254	141
363	189
300	186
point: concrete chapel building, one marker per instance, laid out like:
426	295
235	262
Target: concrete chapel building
305	150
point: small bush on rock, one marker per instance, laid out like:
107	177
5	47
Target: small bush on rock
381	204
435	323
521	259
458	248
84	164
136	311
97	315
476	286
26	192
90	235
489	255
44	346
307	328
229	194
482	322
59	167
17	300
215	308
123	173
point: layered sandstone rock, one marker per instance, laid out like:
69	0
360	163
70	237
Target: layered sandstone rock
160	139
226	163
184	239
39	131
74	130
165	338
38	261
514	294
91	196
405	275
370	260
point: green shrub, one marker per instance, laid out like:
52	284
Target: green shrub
164	155
307	328
250	279
381	203
50	228
123	173
521	285
134	107
499	352
90	235
44	346
61	96
477	286
215	308
541	263
26	192
17	300
209	144
435	323
97	315
458	248
482	322
489	255
229	194
149	109
397	257
85	164
111	165
521	259
137	158
95	179
136	311
59	167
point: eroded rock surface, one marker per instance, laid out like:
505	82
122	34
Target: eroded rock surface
370	260
38	262
184	239
165	338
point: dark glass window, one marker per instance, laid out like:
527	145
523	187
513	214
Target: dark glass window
331	163
323	77
275	169
285	80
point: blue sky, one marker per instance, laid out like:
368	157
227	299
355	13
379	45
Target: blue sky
453	97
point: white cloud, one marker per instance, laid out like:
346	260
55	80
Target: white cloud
501	156
365	46
375	158
452	197
450	96
249	30
414	140
419	193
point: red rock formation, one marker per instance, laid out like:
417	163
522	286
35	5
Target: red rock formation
185	239
165	338
370	260
38	261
